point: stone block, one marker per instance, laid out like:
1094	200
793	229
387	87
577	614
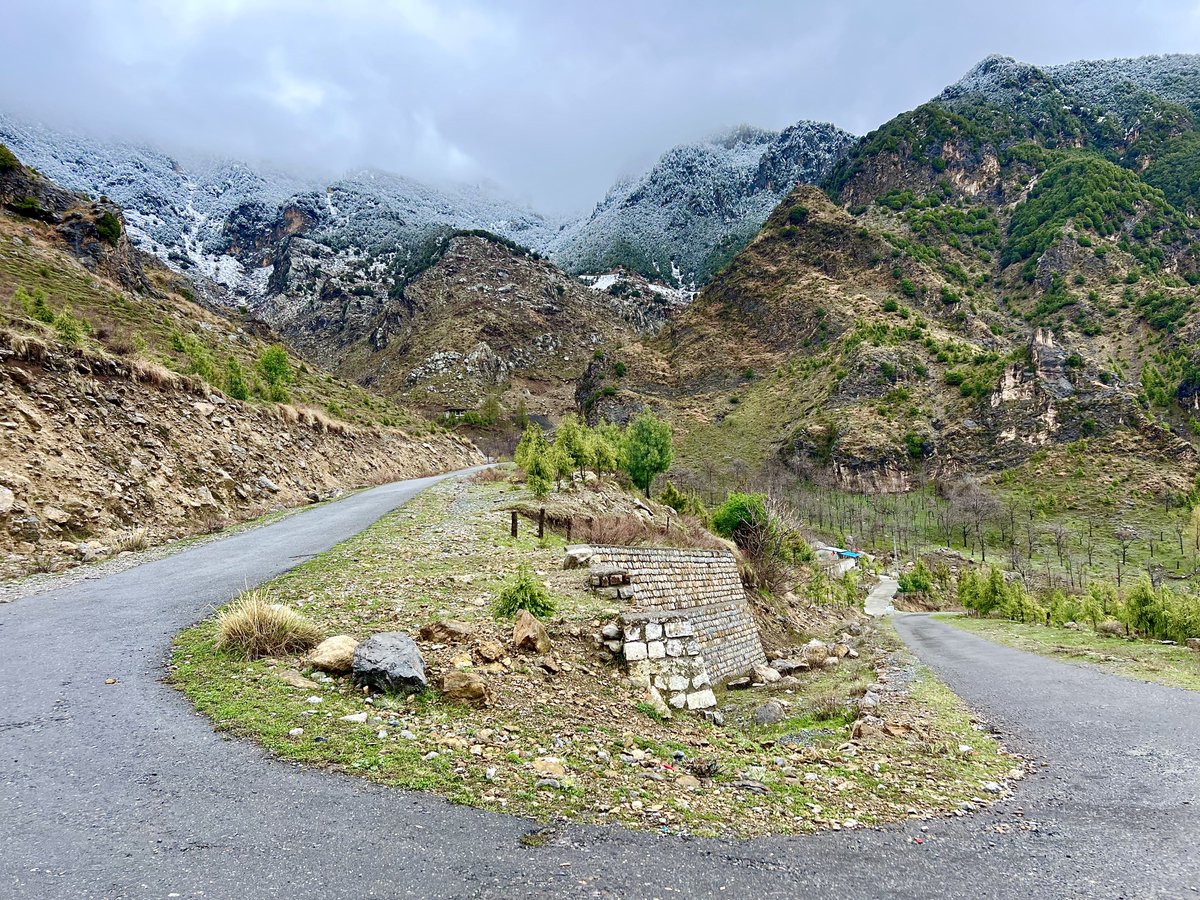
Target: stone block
674	648
677	683
635	650
633	633
654	631
679	629
680	700
701	700
701	680
656	650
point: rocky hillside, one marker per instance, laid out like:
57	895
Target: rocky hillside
1009	268
131	414
483	317
699	204
224	222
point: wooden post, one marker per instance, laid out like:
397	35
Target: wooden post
541	523
513	528
570	522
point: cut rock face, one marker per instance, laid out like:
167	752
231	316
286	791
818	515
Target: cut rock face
390	663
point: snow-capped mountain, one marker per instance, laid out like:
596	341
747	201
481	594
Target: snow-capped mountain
699	204
226	221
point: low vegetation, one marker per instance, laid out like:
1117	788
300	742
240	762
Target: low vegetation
253	627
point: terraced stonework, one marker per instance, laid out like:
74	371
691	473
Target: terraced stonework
686	621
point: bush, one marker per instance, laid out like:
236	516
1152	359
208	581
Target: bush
8	160
523	591
108	227
739	512
236	385
917	580
276	370
253	627
798	215
69	329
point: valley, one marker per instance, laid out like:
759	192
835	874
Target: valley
817	509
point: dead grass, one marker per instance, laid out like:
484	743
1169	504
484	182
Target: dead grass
253	627
494	475
131	541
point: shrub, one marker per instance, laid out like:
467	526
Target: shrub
8	160
917	580
236	385
69	329
738	513
108	227
619	369
276	370
28	207
798	215
523	591
253	627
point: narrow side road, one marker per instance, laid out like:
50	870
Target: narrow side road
880	597
123	790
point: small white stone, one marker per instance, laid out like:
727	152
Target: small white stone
296	732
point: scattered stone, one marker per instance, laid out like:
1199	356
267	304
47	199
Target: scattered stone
529	634
655	699
738	684
462	661
1194	644
688	782
56	515
869	702
447	632
390	662
577	557
991	787
334	654
295	732
770	713
549	767
356	718
466	687
815	652
611	632
267	484
295	679
489	650
765	675
7	500
789	666
829	662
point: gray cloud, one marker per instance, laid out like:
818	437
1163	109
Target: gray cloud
549	100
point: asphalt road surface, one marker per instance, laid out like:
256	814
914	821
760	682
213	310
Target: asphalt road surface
124	791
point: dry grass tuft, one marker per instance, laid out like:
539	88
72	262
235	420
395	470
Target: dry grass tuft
614	531
153	374
253	627
493	475
138	539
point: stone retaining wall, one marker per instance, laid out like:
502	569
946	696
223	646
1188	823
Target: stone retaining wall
664	587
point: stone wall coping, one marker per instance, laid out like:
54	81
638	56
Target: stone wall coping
657	551
634	616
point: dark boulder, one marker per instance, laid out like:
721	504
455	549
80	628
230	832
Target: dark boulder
390	662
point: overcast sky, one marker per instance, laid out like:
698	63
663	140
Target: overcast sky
549	99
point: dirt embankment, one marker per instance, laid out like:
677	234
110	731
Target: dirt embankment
99	455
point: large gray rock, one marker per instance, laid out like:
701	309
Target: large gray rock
390	662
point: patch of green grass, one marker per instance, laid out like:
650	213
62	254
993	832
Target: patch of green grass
1140	659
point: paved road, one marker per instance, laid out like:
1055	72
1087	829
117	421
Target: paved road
881	596
123	791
